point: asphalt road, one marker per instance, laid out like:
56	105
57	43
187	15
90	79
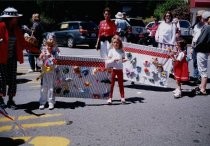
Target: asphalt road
151	117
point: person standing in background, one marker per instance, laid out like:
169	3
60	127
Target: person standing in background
153	30
196	33
166	32
122	26
202	48
107	29
36	30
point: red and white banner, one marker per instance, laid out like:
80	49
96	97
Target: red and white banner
147	65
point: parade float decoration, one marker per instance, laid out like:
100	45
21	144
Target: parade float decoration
88	77
147	65
81	77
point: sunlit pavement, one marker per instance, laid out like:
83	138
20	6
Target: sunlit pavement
151	116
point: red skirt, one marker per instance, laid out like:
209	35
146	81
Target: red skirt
181	71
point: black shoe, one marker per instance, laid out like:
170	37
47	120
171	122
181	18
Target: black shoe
2	104
198	91
11	104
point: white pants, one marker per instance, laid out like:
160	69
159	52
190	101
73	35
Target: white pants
202	61
104	49
47	89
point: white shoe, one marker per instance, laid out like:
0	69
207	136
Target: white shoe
178	94
51	106
122	100
176	90
30	70
41	107
109	101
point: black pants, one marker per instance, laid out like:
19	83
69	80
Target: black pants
32	60
8	75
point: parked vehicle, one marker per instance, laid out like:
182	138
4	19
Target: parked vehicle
136	28
150	24
186	30
72	33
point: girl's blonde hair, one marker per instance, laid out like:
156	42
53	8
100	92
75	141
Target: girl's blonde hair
117	38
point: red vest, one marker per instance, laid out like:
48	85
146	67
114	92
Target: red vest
19	45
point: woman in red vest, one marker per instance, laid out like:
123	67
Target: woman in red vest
12	44
107	29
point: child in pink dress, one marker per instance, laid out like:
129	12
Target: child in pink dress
181	72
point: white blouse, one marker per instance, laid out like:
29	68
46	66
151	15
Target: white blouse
166	33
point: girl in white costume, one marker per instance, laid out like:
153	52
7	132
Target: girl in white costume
47	62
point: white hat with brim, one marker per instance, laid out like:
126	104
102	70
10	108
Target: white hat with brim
119	15
206	15
10	13
199	13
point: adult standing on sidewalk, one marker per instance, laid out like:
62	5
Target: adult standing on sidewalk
202	49
36	30
122	26
166	32
196	33
107	29
11	47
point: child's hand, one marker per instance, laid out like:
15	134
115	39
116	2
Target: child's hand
54	61
124	60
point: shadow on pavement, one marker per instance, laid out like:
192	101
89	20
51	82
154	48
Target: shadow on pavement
150	88
22	81
5	141
71	105
20	74
29	107
135	99
129	100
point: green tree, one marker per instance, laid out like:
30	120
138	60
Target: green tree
179	8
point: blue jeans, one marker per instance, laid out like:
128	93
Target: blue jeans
196	73
32	61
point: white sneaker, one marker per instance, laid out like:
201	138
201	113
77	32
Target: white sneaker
178	94
122	100
30	70
109	101
41	107
51	106
176	90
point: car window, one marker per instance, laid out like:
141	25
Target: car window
64	26
135	22
89	26
73	26
184	24
150	24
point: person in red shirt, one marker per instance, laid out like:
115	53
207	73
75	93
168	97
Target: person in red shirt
107	29
153	30
12	43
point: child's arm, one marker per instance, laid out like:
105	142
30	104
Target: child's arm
180	56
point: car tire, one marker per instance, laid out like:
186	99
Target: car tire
92	46
70	42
